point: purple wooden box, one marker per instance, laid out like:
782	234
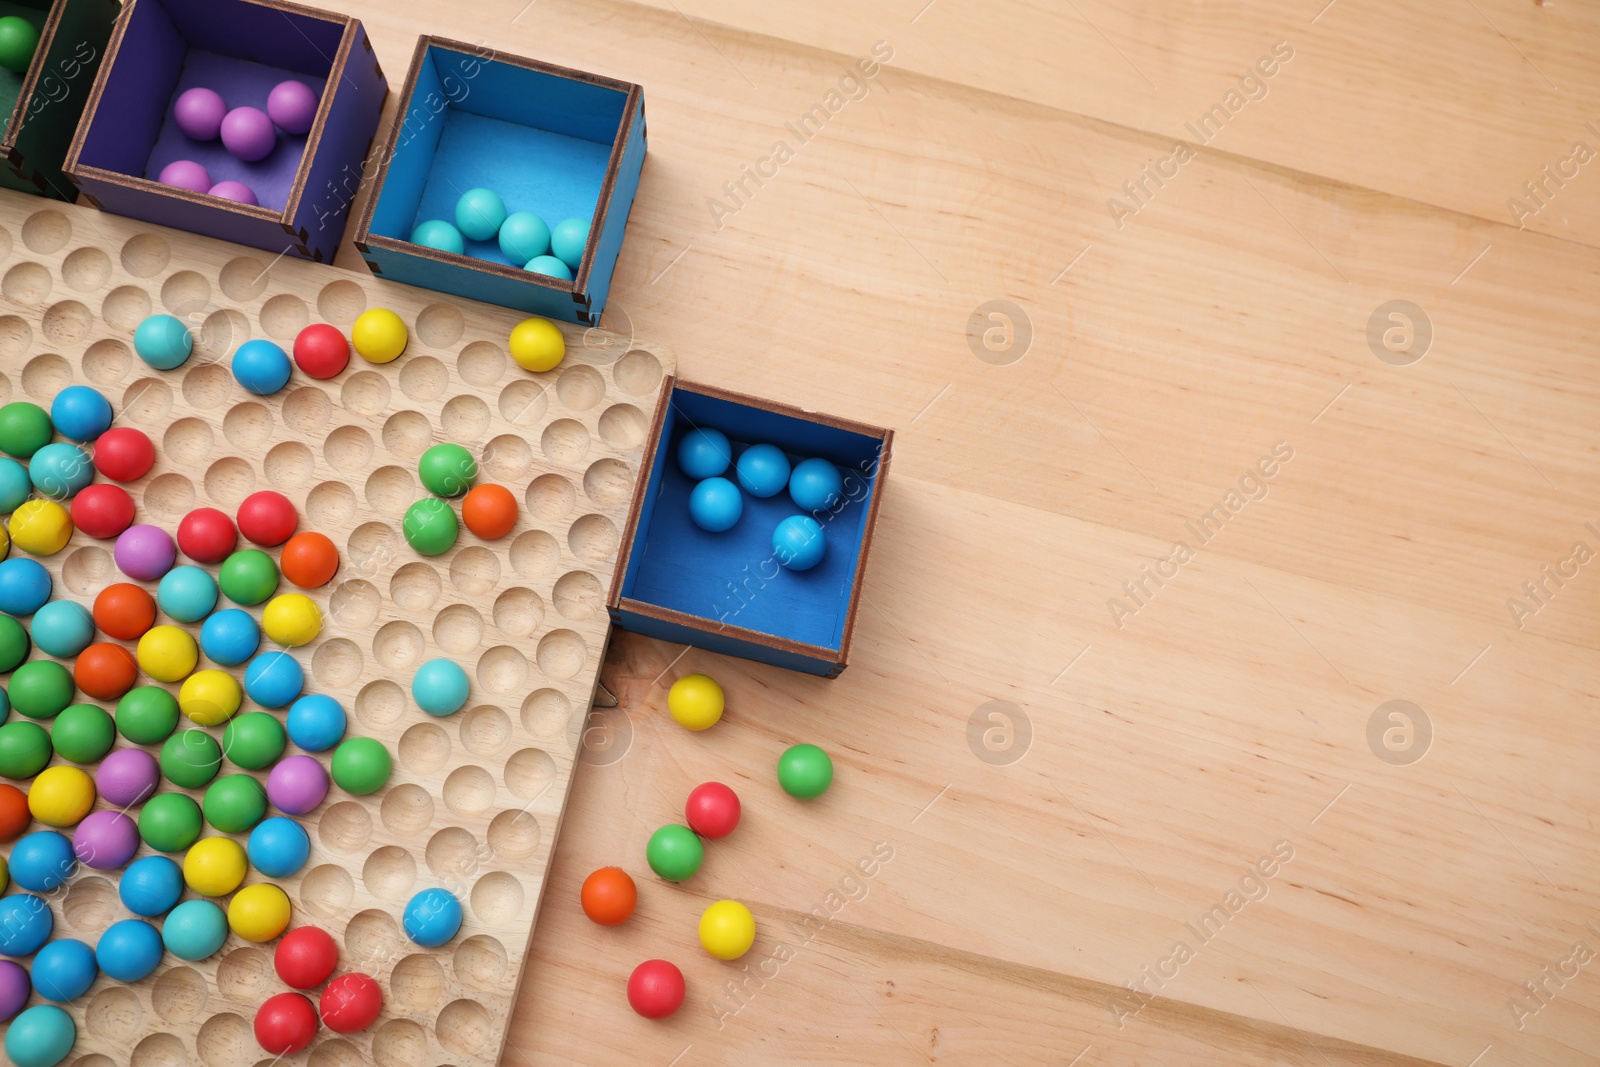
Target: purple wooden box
241	49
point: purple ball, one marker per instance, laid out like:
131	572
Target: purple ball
297	785
236	191
185	174
127	776
14	989
199	113
105	840
144	552
248	133
293	106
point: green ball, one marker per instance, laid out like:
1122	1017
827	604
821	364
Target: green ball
190	758
805	771
674	853
147	715
448	470
41	689
24	429
248	577
169	822
19	39
15	644
83	733
253	740
24	749
430	526
235	803
361	765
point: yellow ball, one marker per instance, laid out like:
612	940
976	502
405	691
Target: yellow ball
209	697
215	866
259	912
167	653
5	875
379	336
5	543
41	527
695	701
537	344
292	619
727	929
61	796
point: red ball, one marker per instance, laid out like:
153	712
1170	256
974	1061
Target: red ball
102	510
305	957
286	1024
267	518
124	454
206	535
712	810
655	989
351	1003
321	351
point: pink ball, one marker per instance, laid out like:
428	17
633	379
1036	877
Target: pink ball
199	113
144	553
297	785
236	191
105	840
186	174
127	776
248	133
293	106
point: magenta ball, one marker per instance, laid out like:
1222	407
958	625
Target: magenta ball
105	840
127	777
185	174
14	989
248	133
293	106
144	552
297	785
199	113
236	191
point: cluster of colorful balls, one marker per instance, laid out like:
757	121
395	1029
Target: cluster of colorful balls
249	133
524	238
448	471
306	958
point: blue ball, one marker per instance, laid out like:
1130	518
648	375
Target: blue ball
60	470
163	342
524	236
129	950
42	1036
704	453
25	924
194	929
5	706
440	687
62	628
715	505
64	970
262	367
273	679
815	485
15	485
24	586
567	241
230	637
798	542
81	413
315	722
42	860
187	593
432	917
763	470
549	266
438	234
479	214
151	886
278	847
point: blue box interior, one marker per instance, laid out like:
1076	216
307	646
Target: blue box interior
539	140
730	577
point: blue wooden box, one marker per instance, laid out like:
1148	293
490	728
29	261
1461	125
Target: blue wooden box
240	48
725	592
558	142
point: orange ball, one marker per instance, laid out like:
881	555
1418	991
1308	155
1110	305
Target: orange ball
105	671
124	611
14	814
309	560
489	511
609	896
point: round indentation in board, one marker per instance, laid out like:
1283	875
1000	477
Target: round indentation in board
400	1042
637	373
209	385
464	1027
45	376
507	458
580	387
398	645
147	401
86	569
289	465
502	669
497	898
229	480
545	713
86	269
245	973
371	545
465	418
440	325
354	604
529	773
115	1013
407	433
336	663
344	828
336	1052
523	402
26	283
243	278
372	935
469	791
47	231
578	596
389	873
481	363
566	442
458	629
549	498
561	654
331	505
348	449
365	393
423	378
480	961
106	362
390	490
308	410
179	994
326	891
169	496
485	730
417	982
185	292
341	302
90	906
424	748
415	587
407	810
247	425
514	835
226	1040
284	316
125	307
159	1050
380	703
534	554
474	570
518	612
67	322
594	538
608	482
16	339
451	851
219	333
145	255
94	1059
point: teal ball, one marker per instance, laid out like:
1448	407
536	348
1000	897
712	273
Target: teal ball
187	593
14	485
59	471
63	628
479	214
438	234
524	236
567	241
798	542
549	266
440	687
194	930
163	342
42	1036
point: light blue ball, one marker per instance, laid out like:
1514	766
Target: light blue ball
315	722
715	505
704	453
81	413
440	687
24	586
479	214
230	637
273	679
151	886
438	234
432	917
262	367
278	847
42	1036
63	970
187	593
798	542
129	950
815	485
549	266
25	924
60	470
763	470
62	628
194	930
163	342
524	236
567	241
42	860
15	485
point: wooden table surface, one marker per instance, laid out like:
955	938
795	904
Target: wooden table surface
1182	501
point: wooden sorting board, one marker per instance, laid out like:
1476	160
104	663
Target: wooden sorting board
476	799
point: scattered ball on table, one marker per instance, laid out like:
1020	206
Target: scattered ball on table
14	484
805	771
194	930
274	678
124	611
124	454
261	367
144	552
105	671
248	577
440	687
83	733
695	701
674	853
704	453
186	174
479	213
42	860
524	236
489	511
24	429
321	351
432	917
567	241
297	785
267	518
234	803
24	749
24	586
81	413
278	847
40	689
151	886
537	345
656	989
727	929
361	765
105	840
712	810
63	628
170	822
25	924
146	715
162	341
42	1036
247	132
351	1003
447	469
199	113
61	796
64	970
292	619
798	542
253	741
14	646
550	267
379	336
127	776
214	866
438	235
60	471
229	637
238	192
285	1024
129	950
167	653
309	560
259	912
102	511
14	816
292	106
207	535
815	485
19	39
430	526
609	896
316	722
715	505
187	593
14	989
305	957
763	470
